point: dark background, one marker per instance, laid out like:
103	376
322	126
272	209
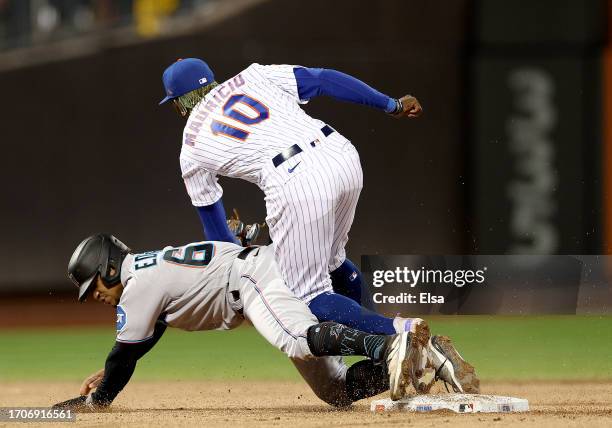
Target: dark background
87	148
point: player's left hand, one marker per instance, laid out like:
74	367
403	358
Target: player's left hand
77	404
410	107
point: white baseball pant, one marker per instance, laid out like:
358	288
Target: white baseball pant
311	200
283	320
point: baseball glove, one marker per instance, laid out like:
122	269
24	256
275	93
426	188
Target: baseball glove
246	234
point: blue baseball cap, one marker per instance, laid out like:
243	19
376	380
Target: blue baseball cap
184	76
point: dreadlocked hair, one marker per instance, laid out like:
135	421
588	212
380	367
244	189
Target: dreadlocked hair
189	100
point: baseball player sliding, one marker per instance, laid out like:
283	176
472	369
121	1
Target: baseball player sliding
252	127
215	285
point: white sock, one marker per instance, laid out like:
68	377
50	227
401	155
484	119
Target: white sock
405	324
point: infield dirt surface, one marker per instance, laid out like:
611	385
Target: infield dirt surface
292	404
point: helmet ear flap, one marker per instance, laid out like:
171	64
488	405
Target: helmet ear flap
124	248
100	254
117	251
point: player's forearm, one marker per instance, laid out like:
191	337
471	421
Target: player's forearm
120	365
312	82
214	222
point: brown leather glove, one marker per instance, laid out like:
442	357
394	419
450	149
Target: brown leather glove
410	107
246	234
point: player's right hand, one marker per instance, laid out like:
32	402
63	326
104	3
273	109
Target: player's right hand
91	382
410	107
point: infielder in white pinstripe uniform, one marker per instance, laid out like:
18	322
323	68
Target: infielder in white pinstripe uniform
252	127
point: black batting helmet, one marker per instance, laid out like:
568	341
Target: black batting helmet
95	256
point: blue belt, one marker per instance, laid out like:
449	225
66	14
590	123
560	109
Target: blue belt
295	149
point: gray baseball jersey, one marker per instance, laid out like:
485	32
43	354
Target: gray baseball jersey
187	285
192	288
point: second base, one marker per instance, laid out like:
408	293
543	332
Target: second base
459	403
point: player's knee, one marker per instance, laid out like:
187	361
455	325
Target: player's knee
326	377
333	391
334	395
318	338
365	379
298	349
347	280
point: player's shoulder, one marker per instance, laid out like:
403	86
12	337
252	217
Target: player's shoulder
140	273
252	69
268	70
137	268
196	139
194	133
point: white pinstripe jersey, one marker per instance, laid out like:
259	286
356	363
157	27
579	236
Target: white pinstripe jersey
240	126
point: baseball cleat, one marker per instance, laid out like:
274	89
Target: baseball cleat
451	367
425	374
417	326
403	355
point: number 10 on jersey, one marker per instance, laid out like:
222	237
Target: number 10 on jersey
260	113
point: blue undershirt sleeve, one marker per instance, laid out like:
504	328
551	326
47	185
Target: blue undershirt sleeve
312	82
214	222
341	309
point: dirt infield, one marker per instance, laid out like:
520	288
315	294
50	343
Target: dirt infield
259	404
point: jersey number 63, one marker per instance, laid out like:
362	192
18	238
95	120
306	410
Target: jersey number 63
193	255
